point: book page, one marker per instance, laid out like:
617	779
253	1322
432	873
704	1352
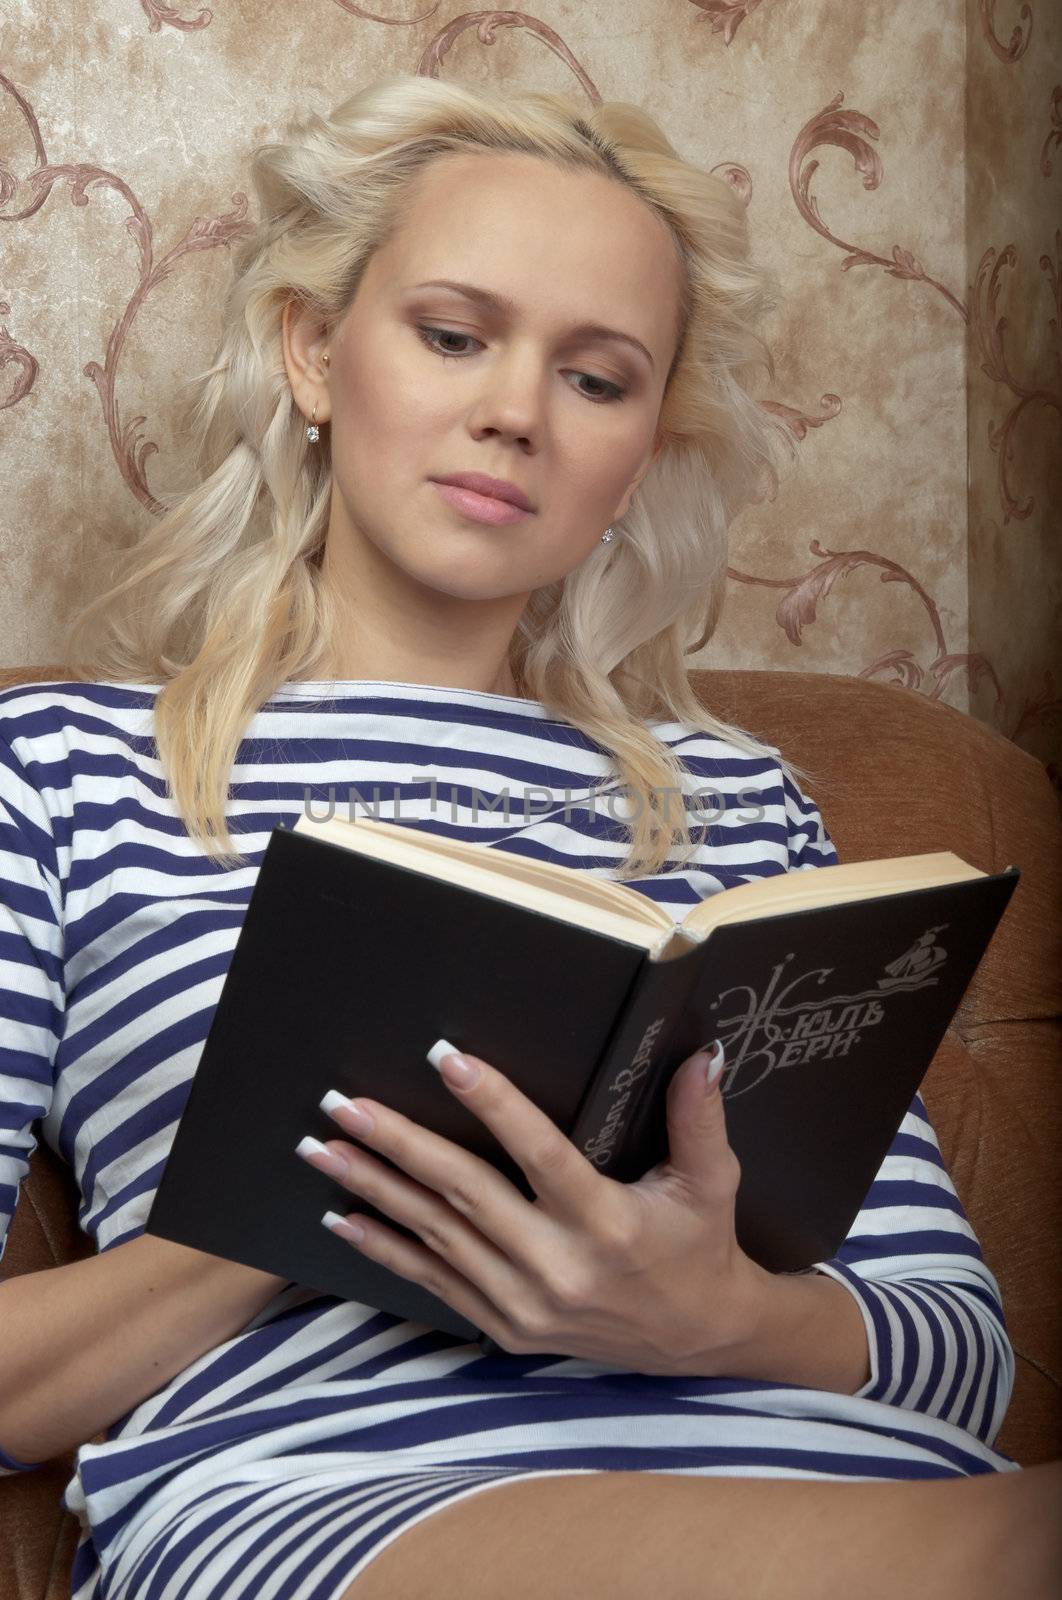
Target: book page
825	886
614	908
565	892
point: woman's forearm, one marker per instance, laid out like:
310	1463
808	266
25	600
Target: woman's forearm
85	1342
811	1332
797	1328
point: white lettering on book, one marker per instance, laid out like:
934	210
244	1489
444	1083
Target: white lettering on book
783	1029
600	1148
778	1029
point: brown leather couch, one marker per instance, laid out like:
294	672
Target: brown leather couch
893	773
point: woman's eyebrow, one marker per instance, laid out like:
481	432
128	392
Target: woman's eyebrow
500	303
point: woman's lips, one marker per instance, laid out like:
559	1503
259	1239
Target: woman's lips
480	507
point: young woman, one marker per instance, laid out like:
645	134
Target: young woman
448	282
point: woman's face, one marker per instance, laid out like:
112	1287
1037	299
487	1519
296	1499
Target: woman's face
526	393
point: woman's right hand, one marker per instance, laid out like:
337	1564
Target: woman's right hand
648	1276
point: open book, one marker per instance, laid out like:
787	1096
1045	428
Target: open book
365	941
605	906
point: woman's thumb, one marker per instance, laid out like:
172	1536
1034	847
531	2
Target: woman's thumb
696	1121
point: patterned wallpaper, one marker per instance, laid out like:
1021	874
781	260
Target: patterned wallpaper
901	161
1014	371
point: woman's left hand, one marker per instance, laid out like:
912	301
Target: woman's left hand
647	1276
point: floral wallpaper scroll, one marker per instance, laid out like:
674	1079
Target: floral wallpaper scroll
902	165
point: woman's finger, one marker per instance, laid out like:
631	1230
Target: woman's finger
559	1173
447	1236
570	1187
421	1265
469	1185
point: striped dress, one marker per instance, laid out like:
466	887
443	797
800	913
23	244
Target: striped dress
280	1463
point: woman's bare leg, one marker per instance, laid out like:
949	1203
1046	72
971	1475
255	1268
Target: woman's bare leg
632	1535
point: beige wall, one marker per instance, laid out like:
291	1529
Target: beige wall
1014	369
895	154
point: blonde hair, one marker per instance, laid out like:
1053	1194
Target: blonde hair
222	600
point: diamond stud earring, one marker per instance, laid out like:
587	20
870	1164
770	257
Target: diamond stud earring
607	536
313	432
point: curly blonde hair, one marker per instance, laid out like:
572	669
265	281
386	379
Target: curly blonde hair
222	601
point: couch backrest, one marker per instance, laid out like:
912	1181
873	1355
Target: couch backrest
896	773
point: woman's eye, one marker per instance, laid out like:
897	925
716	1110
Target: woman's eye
429	335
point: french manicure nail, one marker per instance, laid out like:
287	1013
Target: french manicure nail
458	1071
324	1160
357	1120
346	1230
441	1047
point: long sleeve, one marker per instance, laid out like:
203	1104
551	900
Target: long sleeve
932	1309
809	843
933	1313
32	999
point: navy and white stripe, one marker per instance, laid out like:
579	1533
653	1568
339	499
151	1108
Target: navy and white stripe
280	1462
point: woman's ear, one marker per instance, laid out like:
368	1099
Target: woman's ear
303	340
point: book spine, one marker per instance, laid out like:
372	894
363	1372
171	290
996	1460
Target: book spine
632	1058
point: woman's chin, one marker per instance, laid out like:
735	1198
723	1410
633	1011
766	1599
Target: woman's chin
471	576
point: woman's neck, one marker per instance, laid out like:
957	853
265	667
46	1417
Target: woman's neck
505	681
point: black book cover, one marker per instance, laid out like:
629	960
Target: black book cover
830	1018
347	970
